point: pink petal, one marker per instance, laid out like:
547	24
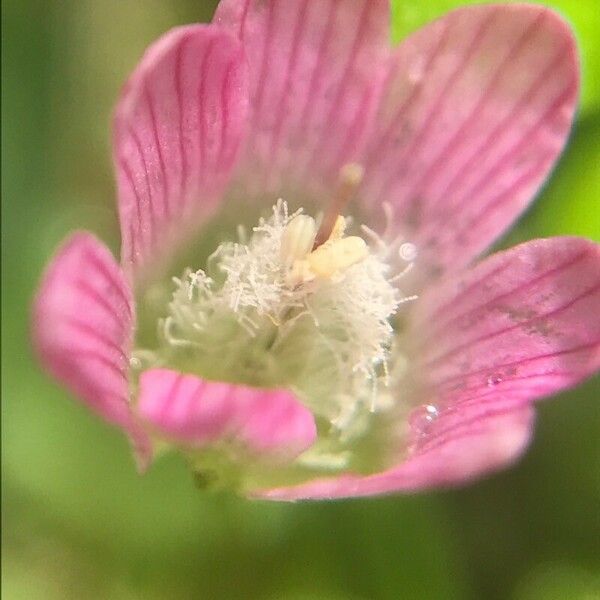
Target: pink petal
178	126
316	70
519	326
458	449
524	321
83	322
198	413
476	109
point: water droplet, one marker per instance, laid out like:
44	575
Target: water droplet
421	419
408	251
135	363
142	359
493	380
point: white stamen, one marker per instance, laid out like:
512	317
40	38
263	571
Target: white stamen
274	298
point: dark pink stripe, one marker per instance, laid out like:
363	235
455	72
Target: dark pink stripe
445	307
92	332
511	193
522	287
85	288
260	90
290	72
201	108
197	395
352	137
179	93
502	391
117	284
493	334
316	75
150	209
342	86
520	362
87	354
432	57
161	161
243	19
186	406
435	111
490	140
222	157
459	137
132	242
463	429
138	219
169	399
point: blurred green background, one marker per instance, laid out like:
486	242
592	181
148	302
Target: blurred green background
77	520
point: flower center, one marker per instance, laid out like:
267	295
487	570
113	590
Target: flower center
278	308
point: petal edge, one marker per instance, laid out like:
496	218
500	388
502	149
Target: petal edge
83	319
199	413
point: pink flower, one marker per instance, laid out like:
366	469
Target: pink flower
292	368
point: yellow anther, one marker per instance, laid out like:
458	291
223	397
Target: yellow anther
297	239
337	255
